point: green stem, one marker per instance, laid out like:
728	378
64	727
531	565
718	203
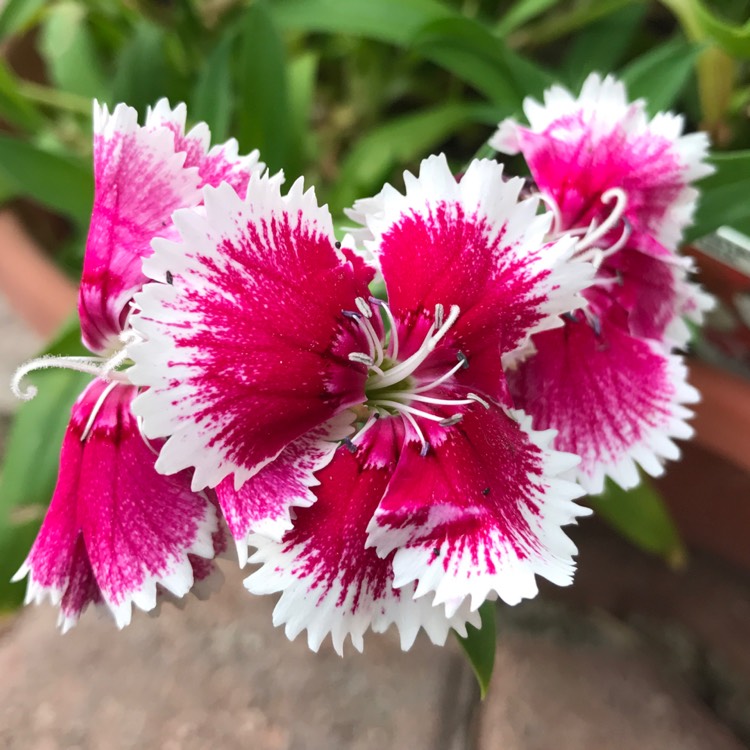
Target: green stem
55	98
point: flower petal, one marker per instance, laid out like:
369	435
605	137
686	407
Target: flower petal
473	245
481	513
215	165
247	348
577	149
115	528
262	504
139	181
330	582
615	399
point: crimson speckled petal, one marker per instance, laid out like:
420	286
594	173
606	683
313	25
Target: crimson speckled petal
331	583
472	244
115	528
139	181
615	399
263	503
247	348
578	148
481	513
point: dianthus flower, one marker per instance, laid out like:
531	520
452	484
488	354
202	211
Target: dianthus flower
367	448
621	183
115	527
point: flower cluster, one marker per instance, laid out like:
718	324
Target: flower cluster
381	458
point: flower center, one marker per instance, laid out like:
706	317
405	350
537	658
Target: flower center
391	389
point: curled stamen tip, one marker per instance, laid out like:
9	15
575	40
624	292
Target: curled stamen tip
351	314
376	301
425	449
450	421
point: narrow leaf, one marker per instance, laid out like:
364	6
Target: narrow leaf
68	49
397	143
479	646
19	15
213	95
53	180
723	200
521	12
641	516
391	21
660	74
14	107
264	108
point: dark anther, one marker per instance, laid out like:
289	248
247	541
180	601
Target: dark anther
349	445
463	359
170	278
570	317
375	301
338	245
425	449
436	552
351	314
486	491
596	324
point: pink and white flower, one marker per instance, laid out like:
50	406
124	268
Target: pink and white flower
115	527
623	184
367	449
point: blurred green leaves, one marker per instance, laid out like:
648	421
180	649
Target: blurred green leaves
641	517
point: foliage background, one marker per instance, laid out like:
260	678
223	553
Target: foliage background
348	93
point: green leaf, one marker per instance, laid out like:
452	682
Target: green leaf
14	107
30	464
263	120
723	200
142	70
468	50
700	23
213	95
600	46
19	15
660	74
398	142
641	516
479	646
391	21
301	75
68	49
521	12
53	180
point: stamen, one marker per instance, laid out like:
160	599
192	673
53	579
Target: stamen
146	441
349	445
439	310
89	365
405	409
393	343
551	203
97	407
363	307
619	196
478	399
463	363
450	421
437	401
362	358
407	367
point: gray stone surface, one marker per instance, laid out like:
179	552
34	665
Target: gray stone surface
550	693
217	675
